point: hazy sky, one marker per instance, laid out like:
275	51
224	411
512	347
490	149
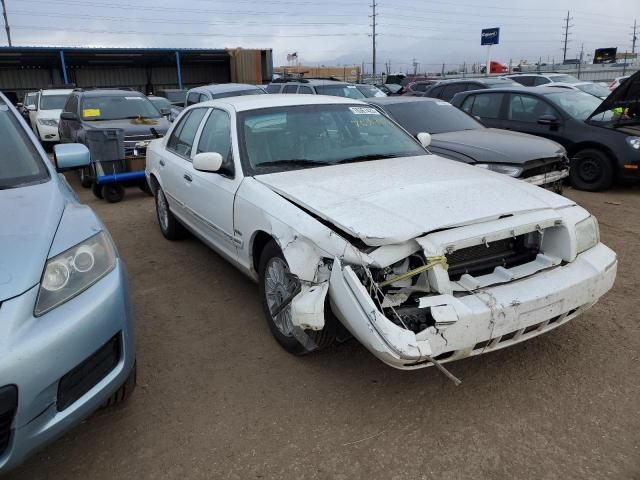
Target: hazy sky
333	32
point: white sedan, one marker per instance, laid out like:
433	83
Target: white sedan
346	221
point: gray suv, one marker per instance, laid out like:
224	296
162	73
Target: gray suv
312	86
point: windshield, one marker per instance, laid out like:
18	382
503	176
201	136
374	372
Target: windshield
594	89
238	93
347	91
160	102
290	138
369	91
577	104
564	79
431	117
53	102
21	164
116	107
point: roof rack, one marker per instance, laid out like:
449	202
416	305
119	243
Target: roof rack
89	89
332	79
290	79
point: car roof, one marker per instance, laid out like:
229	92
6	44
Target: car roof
312	82
490	80
255	102
400	99
541	90
56	91
110	92
224	87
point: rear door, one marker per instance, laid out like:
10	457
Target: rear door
487	107
210	195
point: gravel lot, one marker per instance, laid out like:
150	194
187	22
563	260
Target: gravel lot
217	398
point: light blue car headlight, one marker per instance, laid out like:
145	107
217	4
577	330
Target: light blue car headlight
73	271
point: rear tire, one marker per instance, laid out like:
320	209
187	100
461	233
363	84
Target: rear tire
85	178
97	191
113	192
170	226
591	170
125	391
273	287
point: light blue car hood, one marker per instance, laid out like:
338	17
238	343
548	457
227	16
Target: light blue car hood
29	218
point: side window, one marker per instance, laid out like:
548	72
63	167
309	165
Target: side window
303	89
203	98
72	104
485	105
542	81
290	89
192	98
435	92
216	137
450	90
524	108
525	80
274	88
181	140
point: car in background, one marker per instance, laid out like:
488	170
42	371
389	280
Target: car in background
163	105
175	95
391	88
66	335
601	137
221	90
30	98
447	89
418	87
44	114
458	136
329	204
617	82
537	79
315	86
370	91
591	88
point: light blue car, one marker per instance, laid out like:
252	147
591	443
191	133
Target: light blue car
66	334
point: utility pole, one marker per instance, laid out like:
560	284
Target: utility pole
373	34
415	66
634	39
566	35
6	22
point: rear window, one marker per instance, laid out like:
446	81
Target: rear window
53	102
347	91
238	93
21	165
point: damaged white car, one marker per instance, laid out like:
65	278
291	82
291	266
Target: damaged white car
345	220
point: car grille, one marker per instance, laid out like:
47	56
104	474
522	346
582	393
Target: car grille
483	259
8	406
130	142
91	371
547	165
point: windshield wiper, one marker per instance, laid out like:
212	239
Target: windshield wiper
364	158
293	161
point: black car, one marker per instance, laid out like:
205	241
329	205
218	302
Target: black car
131	111
447	89
602	137
459	136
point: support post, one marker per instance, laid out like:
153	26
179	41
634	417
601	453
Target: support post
488	60
179	70
63	66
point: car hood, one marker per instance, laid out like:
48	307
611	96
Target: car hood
391	201
624	96
492	145
133	126
29	222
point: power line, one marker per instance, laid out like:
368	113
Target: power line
566	35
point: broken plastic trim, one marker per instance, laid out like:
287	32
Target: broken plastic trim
297	288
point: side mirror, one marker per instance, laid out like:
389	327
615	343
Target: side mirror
71	156
548	120
19	105
424	139
31	108
73	117
165	112
207	161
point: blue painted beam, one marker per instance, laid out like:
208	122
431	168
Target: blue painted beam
120	177
65	77
179	70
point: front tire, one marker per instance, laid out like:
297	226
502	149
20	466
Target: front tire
275	287
85	178
170	226
113	192
591	170
97	191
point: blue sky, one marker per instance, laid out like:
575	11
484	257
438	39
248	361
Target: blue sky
332	32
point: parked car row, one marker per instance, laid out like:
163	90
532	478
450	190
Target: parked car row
346	213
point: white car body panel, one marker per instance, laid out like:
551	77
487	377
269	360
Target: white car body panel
395	207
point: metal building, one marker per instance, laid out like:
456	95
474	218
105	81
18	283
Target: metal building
25	69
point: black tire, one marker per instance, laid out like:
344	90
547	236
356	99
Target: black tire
97	191
113	192
319	339
591	170
170	226
85	178
125	391
144	186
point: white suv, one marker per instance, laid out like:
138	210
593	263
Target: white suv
537	79
44	115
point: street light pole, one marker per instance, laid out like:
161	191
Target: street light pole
6	22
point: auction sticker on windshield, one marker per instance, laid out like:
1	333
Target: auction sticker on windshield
364	111
91	112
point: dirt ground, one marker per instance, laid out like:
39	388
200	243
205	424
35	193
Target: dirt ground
217	398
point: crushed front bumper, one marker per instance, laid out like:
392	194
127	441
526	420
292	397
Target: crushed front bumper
51	361
487	319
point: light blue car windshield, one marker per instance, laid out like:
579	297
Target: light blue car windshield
20	163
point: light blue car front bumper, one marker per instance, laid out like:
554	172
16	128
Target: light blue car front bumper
36	353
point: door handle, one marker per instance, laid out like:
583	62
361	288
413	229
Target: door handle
187	177
162	163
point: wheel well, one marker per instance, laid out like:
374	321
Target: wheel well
596	146
153	183
260	241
